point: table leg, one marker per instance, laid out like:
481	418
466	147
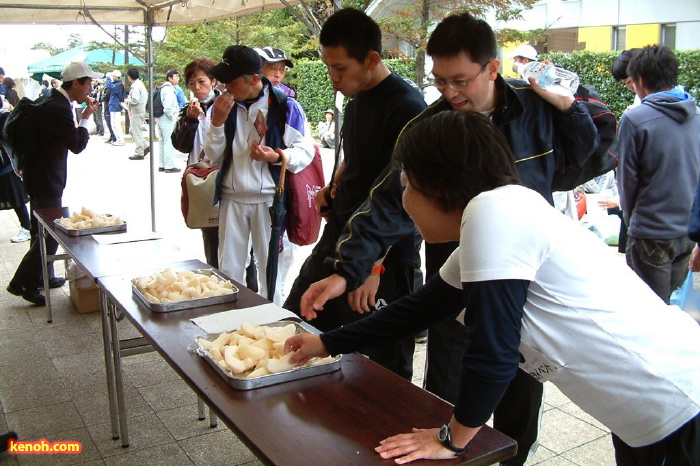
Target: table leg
200	410
45	271
213	420
109	364
118	376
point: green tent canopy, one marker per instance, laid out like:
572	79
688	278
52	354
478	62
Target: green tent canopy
54	65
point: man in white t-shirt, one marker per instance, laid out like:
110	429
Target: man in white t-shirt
541	294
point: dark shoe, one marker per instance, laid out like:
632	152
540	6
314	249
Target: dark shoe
136	157
34	297
56	282
146	151
15	289
172	170
110	141
161	169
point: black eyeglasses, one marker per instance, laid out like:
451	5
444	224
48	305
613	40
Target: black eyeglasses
457	85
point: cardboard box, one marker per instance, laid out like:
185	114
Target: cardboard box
85	295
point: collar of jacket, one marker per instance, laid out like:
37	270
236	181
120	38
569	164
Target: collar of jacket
508	104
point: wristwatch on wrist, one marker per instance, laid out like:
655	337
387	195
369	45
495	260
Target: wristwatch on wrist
445	437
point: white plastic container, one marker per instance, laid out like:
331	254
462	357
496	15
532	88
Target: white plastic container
550	78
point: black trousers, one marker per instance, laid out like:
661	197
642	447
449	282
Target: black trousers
29	272
517	414
681	448
108	120
397	281
210	237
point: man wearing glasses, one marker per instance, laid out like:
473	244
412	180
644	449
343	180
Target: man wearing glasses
542	129
275	66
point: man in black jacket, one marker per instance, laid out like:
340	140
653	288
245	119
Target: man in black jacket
542	128
382	103
45	168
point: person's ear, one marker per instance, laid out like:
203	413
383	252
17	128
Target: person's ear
254	79
492	68
373	59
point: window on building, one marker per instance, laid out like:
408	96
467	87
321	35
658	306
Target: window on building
668	35
619	37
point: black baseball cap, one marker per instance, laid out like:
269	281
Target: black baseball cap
237	61
274	55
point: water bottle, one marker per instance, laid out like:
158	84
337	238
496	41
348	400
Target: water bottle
549	77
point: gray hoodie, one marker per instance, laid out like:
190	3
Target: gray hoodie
659	150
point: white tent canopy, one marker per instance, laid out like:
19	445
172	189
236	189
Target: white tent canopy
146	13
130	12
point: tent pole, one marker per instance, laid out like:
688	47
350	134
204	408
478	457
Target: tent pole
151	120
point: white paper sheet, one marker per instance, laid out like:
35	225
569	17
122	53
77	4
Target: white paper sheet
125	238
231	320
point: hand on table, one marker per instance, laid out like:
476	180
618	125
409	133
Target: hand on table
419	444
320	292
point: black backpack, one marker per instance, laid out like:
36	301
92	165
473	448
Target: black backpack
602	160
20	128
158	110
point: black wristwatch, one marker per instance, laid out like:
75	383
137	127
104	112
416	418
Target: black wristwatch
445	437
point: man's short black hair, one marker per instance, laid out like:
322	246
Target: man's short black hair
133	73
463	33
619	68
452	157
45	83
353	30
171	73
656	65
66	85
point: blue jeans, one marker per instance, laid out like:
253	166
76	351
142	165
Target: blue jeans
661	263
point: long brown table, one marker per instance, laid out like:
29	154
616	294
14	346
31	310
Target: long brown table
96	261
335	418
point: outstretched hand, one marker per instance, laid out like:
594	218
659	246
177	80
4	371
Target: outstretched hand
320	292
305	346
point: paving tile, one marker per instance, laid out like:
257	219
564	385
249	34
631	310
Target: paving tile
183	423
168	395
559	461
599	452
94	407
150	373
141	358
16	320
67	345
217	448
85	361
89	451
542	454
35	372
21	350
36	423
63	325
162	455
561	432
553	396
578	413
21	397
144	432
8	460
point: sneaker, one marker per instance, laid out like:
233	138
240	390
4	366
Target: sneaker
118	143
110	141
146	151
22	236
136	157
161	169
172	170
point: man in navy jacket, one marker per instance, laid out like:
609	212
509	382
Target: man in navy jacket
45	168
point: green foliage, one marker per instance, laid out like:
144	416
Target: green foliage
594	68
315	91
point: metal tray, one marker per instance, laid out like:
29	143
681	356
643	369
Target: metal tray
243	383
190	303
89	231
